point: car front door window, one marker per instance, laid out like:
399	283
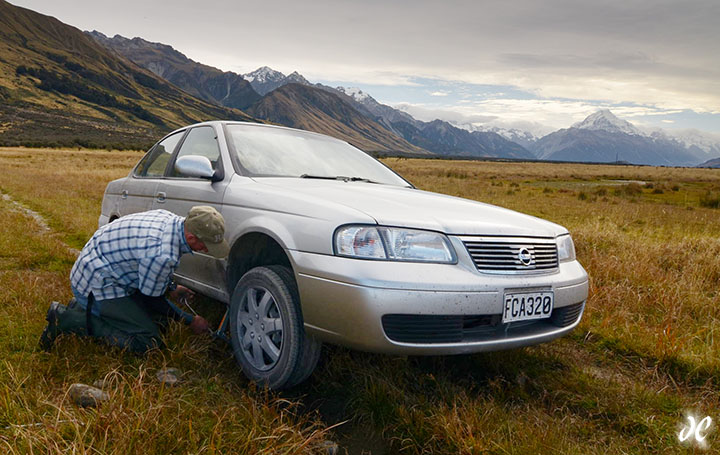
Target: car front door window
200	141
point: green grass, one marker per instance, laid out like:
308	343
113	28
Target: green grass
646	353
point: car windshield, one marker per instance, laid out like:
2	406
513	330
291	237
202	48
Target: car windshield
277	152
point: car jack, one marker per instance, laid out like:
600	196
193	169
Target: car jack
219	333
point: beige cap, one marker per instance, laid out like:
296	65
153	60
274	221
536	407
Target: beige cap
206	223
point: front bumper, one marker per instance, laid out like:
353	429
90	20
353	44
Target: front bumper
344	301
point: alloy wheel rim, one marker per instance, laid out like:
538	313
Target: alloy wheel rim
260	328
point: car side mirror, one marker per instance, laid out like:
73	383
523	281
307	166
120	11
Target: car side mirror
195	166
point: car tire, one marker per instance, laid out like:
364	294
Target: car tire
310	352
266	329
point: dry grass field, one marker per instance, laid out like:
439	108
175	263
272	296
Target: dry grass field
646	354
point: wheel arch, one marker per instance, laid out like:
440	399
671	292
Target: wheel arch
254	249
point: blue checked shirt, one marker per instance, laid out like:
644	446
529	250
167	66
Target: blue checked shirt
137	252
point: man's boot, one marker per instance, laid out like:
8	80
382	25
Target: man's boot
47	338
63	319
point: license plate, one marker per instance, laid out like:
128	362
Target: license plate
523	306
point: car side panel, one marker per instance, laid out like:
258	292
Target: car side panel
139	195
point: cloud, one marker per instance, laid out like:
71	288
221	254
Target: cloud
360	76
427	114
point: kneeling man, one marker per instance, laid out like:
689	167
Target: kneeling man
122	274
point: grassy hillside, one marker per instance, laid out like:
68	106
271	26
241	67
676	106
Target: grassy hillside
59	87
644	355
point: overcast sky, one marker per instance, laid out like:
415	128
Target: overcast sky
541	65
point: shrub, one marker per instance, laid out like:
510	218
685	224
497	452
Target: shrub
453	173
631	189
710	200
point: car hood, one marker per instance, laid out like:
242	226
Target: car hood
412	208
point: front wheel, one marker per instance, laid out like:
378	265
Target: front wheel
266	329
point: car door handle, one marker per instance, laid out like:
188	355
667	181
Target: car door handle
161	196
124	194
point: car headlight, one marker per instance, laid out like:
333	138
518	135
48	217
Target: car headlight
566	248
393	244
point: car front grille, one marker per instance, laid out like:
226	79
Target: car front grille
436	329
512	255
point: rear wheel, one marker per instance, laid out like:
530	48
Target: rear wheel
266	329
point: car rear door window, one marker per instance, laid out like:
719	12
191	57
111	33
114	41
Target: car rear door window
200	141
155	162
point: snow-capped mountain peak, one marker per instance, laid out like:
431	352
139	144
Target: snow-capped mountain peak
708	143
355	93
604	120
264	74
297	78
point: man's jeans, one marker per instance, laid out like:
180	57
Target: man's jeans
127	322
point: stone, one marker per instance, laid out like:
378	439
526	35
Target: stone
329	447
169	376
87	396
521	379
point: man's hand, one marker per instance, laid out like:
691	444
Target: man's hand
181	292
199	325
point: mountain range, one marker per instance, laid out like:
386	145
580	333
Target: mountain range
439	137
346	113
299	104
714	163
60	86
603	138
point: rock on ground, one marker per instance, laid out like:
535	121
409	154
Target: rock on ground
169	376
87	396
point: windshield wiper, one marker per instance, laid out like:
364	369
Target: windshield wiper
338	177
323	177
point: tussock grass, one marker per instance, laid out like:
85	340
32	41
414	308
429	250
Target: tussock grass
710	200
646	352
65	186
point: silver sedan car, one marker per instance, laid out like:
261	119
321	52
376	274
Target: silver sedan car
330	245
